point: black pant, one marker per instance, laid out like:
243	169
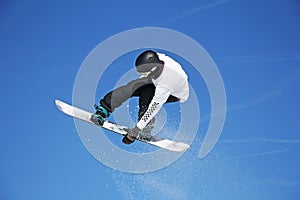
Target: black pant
142	88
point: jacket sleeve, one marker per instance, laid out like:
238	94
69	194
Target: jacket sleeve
160	97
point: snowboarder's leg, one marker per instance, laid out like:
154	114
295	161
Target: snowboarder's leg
172	99
115	98
142	88
145	94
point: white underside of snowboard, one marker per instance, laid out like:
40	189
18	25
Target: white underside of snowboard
86	116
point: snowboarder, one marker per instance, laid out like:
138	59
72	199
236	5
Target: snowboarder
162	81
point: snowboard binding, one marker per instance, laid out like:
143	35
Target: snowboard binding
100	115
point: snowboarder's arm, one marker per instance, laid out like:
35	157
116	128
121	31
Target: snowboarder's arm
161	95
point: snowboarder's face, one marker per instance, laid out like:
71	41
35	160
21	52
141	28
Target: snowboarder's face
145	74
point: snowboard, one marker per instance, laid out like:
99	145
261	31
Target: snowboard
111	126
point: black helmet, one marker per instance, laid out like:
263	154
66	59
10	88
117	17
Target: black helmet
146	61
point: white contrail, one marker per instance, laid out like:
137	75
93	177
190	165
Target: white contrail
232	60
260	139
252	102
279	89
188	13
257	154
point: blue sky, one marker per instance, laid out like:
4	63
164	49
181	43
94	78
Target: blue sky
256	46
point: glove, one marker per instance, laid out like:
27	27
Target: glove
100	115
132	134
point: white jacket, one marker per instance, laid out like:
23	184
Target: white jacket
172	81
